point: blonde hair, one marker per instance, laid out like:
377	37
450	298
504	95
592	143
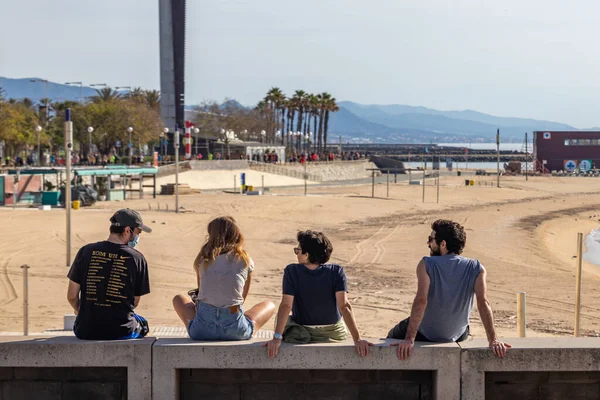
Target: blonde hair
224	237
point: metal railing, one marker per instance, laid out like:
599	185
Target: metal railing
281	169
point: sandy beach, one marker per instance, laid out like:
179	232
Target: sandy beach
524	233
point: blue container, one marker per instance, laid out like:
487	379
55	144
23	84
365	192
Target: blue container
50	198
243	179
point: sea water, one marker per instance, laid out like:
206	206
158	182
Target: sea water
592	243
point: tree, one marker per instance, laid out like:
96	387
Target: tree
105	94
329	106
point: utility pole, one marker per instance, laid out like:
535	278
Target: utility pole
68	148
177	170
526	158
498	155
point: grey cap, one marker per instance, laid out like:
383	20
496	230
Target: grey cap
130	218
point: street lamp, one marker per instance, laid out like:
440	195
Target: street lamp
196	132
130	145
164	141
90	130
80	89
47	106
38	129
263	134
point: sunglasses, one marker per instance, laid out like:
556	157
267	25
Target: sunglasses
297	250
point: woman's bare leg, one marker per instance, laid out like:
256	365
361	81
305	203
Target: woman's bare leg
260	314
185	308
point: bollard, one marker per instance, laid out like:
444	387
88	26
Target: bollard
372	184
25	300
235	184
438	187
396	175
423	186
578	283
167	208
149	207
388	183
263	183
521	313
158	207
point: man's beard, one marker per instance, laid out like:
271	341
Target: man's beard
434	252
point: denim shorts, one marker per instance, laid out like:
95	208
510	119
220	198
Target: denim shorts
213	323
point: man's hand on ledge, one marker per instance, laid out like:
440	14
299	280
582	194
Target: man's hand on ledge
362	347
405	348
499	348
272	347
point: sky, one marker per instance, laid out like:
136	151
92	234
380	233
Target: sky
516	58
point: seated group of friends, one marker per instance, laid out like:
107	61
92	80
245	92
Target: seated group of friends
108	278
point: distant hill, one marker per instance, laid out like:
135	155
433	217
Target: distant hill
449	124
24	87
354	122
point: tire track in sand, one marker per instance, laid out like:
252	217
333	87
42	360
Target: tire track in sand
380	249
360	246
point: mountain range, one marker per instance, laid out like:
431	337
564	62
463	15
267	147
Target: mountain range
354	122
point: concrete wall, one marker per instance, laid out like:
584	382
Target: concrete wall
337	171
65	368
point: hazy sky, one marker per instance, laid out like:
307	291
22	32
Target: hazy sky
526	58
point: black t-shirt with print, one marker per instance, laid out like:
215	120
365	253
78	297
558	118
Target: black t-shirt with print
110	276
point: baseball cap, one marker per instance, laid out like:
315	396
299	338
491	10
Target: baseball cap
128	217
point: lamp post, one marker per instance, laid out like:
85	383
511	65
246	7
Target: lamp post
163	143
196	132
38	129
80	89
129	144
90	130
47	106
263	134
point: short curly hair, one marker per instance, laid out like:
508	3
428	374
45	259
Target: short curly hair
317	245
452	232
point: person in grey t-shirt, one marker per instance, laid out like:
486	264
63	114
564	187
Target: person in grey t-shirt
447	284
223	275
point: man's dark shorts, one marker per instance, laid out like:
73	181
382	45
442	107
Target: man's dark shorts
399	332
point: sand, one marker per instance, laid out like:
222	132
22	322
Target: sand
224	179
524	233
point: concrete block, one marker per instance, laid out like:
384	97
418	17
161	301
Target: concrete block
22	390
171	355
391	391
94	390
67	351
6	374
526	355
415	182
206	391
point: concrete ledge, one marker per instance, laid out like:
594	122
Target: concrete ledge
526	355
40	352
171	355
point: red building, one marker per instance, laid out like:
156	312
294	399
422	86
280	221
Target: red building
567	151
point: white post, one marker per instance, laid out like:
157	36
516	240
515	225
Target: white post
498	154
68	147
521	314
25	300
177	170
578	283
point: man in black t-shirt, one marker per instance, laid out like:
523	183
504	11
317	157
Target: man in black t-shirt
107	280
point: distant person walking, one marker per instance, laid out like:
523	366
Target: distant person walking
447	284
315	293
107	280
223	272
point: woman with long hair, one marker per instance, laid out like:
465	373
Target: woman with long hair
224	272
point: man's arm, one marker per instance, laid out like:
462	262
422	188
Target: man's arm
362	346
419	304
136	301
487	316
73	295
416	315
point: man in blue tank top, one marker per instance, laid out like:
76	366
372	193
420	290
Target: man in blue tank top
447	284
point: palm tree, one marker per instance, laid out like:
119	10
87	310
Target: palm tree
330	106
321	112
299	100
313	102
152	98
105	94
276	97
